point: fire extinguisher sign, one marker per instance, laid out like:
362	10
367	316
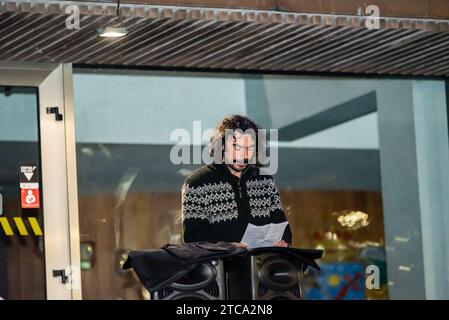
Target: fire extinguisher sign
29	186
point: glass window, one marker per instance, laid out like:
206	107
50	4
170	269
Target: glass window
22	261
357	161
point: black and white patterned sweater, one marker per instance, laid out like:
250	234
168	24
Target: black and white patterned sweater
217	206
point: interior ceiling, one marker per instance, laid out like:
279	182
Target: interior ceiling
230	39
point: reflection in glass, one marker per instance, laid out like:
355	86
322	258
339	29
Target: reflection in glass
21	257
329	165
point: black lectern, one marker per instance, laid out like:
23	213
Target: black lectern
221	271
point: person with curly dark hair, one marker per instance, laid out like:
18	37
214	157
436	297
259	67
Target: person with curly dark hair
221	198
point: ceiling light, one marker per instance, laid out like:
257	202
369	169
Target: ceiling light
112	32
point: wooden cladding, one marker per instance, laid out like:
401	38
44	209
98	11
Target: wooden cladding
208	38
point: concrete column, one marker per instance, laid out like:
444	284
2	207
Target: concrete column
414	155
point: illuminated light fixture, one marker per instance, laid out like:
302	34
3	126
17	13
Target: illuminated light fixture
353	220
112	32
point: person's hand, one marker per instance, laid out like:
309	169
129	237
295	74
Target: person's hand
240	245
281	243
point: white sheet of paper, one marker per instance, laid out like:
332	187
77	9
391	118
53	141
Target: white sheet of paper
263	236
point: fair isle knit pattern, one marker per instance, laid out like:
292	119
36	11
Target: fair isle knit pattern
215	202
218	206
212	201
263	197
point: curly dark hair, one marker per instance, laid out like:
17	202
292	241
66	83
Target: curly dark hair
232	122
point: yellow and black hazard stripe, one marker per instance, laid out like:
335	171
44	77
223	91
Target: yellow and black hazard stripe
18	221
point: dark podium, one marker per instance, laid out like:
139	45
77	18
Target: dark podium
221	271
